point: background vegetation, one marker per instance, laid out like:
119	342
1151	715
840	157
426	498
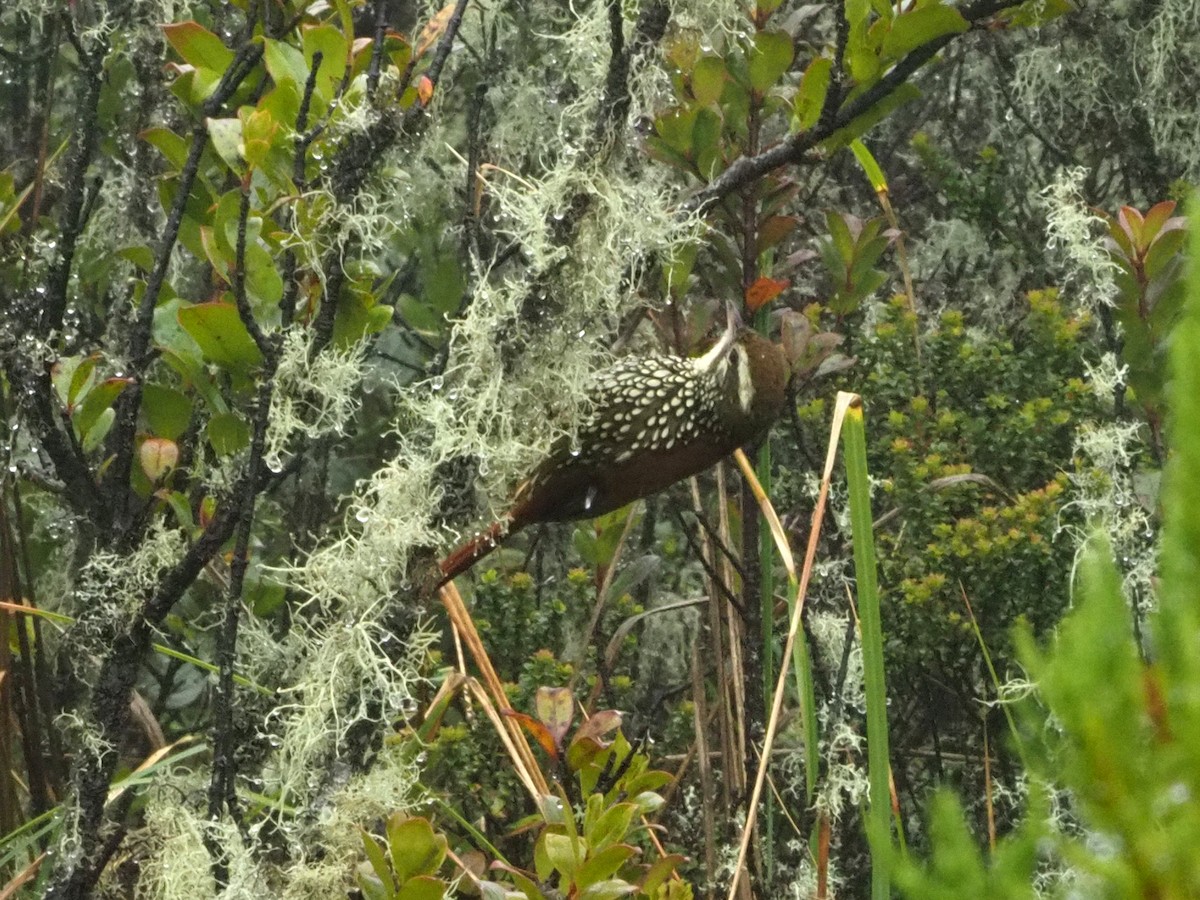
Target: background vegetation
292	295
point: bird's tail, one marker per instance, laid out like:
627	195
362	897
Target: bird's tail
473	550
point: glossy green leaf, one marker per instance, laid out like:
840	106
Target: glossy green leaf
771	57
198	46
217	328
603	865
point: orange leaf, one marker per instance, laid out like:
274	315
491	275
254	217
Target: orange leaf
763	292
537	731
424	89
434	27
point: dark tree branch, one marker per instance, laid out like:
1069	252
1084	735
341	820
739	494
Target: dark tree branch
83	146
377	47
748	170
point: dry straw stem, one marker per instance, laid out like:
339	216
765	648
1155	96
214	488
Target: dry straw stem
518	747
845	401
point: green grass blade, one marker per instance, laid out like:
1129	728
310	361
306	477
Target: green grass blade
878	766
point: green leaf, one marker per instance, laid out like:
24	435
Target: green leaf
561	854
660	870
706	144
217	328
810	98
98	399
604	864
171	145
198	46
228	433
771	57
1033	13
168	411
607	890
675	127
857	12
422	887
919	26
708	80
865	122
285	63
226	136
138	254
331	43
72	376
264	284
416	850
612	826
100	428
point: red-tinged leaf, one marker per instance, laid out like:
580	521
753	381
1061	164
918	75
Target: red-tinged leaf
1131	224
774	229
158	457
537	731
763	292
556	710
424	90
207	511
1156	217
198	46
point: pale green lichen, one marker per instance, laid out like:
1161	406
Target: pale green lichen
1072	237
315	395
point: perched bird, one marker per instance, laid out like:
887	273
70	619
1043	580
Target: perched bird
654	420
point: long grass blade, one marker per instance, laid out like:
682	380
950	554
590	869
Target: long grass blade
870	623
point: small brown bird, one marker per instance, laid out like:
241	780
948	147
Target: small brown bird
654	421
